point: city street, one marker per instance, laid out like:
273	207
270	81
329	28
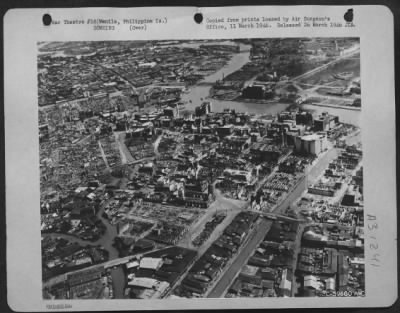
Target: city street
126	156
103	155
256	236
230	273
317	169
221	205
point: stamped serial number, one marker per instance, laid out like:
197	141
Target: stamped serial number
58	306
346	293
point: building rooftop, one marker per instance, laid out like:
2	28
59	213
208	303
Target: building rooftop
311	137
151	263
143	282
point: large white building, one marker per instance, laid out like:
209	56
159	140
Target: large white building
311	144
151	263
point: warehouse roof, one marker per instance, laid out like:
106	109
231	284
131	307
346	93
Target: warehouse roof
143	282
151	263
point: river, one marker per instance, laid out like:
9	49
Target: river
63	54
197	94
106	242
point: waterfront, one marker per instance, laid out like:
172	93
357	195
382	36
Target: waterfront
346	116
106	241
201	92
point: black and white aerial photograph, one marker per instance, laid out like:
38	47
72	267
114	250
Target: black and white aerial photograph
201	168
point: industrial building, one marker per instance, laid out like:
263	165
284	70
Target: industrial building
325	122
312	144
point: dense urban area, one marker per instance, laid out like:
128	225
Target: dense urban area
189	169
